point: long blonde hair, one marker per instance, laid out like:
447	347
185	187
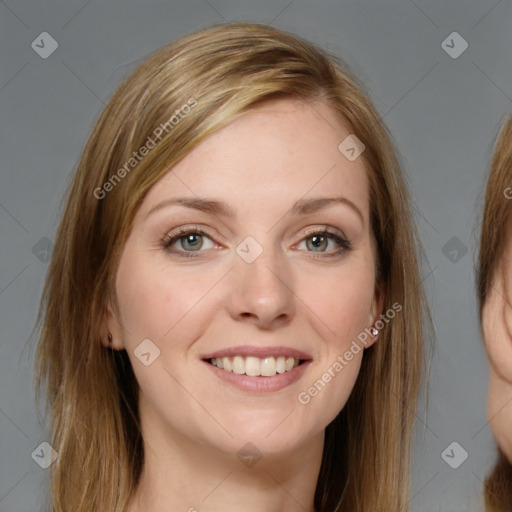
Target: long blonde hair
495	234
91	391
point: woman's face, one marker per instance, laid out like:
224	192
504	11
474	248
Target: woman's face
497	331
252	280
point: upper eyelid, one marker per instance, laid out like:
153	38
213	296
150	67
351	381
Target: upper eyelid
182	231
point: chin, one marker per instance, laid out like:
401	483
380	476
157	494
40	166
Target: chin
272	433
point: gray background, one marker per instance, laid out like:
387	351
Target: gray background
443	112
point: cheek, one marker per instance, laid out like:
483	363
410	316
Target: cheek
342	301
170	306
341	307
151	300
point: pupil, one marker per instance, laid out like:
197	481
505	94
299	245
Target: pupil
318	241
194	242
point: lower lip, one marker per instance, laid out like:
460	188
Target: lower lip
260	384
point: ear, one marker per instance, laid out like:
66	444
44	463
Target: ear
375	313
110	325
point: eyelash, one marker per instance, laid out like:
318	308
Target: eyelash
343	243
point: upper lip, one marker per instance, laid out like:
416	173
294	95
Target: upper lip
260	352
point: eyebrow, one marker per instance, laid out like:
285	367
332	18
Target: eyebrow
216	207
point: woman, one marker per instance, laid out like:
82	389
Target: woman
233	312
495	301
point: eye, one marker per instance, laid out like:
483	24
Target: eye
190	241
321	241
187	240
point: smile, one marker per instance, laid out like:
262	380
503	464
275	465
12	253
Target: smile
258	369
255	366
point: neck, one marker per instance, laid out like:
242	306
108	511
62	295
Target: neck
180	474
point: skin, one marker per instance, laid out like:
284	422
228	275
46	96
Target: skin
497	331
193	423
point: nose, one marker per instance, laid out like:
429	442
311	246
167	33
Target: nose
261	292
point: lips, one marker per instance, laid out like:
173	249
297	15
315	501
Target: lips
258	368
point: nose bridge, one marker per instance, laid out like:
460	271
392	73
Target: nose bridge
263	287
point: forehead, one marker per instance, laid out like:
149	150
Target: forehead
278	152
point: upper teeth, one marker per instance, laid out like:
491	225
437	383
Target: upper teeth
254	366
